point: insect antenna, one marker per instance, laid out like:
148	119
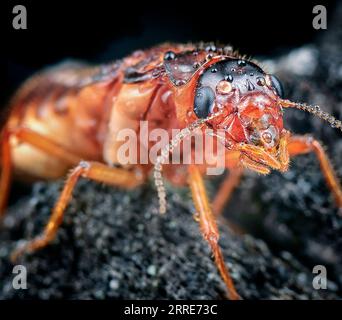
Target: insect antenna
315	110
158	166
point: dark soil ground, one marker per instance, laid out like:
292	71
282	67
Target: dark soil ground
114	244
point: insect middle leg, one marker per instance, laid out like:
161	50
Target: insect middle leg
227	187
230	182
209	228
305	144
91	170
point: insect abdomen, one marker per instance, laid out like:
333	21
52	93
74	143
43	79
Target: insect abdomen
67	104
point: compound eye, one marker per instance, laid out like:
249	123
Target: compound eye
204	102
276	84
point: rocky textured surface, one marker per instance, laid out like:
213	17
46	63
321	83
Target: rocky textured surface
114	244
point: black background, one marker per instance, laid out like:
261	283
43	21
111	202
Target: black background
105	30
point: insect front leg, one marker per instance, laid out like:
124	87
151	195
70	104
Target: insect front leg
91	170
208	227
305	144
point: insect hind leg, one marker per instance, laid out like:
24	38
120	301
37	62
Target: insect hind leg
229	184
6	171
30	137
91	170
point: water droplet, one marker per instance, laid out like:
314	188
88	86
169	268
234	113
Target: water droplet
169	55
260	81
267	137
229	144
224	87
196	65
228	49
210	48
241	63
229	78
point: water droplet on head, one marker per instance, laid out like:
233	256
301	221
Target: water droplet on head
210	48
241	63
229	78
224	87
196	65
260	81
229	144
169	55
227	49
267	137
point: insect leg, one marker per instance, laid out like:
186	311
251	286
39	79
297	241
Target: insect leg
91	170
35	139
208	227
6	171
284	157
226	189
305	144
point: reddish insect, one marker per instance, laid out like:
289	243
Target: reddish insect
69	116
